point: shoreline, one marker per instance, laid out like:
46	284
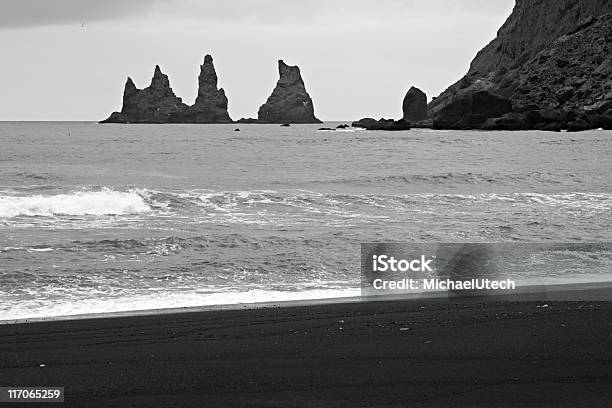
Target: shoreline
587	291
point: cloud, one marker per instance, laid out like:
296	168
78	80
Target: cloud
34	13
281	11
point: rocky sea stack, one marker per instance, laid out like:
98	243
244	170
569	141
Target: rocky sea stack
289	101
211	103
550	68
415	105
157	103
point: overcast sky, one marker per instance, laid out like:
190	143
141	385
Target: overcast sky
69	59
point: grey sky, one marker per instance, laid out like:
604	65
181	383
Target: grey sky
31	13
358	57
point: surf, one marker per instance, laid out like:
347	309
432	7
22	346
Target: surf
79	203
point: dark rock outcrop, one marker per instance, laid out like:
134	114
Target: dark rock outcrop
382	124
551	60
415	105
510	121
338	128
289	101
211	103
247	120
469	110
157	103
425	124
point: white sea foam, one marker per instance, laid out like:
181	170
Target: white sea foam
104	202
157	301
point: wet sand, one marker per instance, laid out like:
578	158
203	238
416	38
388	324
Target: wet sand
459	353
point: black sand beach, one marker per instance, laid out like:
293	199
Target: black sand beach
462	353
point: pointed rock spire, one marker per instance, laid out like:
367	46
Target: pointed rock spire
129	90
207	81
289	101
289	76
160	84
211	103
129	85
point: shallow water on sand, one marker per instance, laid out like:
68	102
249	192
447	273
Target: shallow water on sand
99	218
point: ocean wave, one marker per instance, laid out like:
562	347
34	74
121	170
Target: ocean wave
299	206
269	207
104	202
173	244
453	178
35	176
309	200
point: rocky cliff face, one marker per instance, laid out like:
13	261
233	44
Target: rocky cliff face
157	103
550	61
289	101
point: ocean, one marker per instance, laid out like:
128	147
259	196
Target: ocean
104	218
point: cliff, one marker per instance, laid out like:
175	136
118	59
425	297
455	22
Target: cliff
157	103
548	68
289	101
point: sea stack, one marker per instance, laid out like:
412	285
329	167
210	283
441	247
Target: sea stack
415	105
549	68
289	102
211	103
158	104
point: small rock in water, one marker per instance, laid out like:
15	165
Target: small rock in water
382	124
247	120
236	130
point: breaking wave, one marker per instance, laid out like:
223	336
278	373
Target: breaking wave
269	206
104	202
